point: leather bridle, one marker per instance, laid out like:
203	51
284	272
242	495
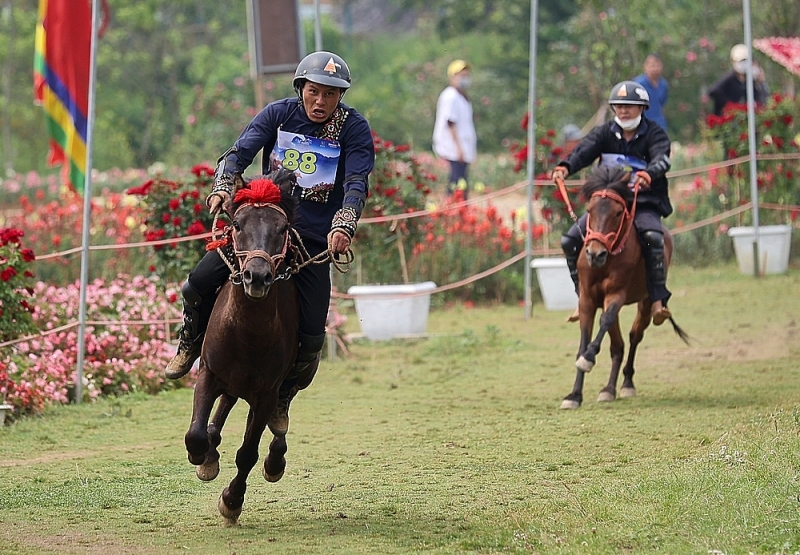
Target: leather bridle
614	241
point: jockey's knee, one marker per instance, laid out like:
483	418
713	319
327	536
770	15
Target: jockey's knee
191	297
653	239
570	245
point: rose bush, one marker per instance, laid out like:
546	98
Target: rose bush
56	224
16	281
399	184
547	155
175	209
119	358
777	136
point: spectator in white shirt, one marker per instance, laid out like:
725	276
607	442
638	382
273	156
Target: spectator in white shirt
454	137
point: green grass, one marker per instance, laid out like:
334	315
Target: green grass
456	444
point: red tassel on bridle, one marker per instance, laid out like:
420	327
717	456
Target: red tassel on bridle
259	191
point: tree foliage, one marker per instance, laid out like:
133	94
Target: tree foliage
173	76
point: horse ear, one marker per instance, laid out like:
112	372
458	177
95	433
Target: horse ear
238	183
287	183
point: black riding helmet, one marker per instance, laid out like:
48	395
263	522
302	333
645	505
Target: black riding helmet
324	68
629	92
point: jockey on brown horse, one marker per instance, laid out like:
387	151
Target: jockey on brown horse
639	144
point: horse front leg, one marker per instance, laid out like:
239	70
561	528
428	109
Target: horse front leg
209	470
588	357
196	438
575	398
232	497
617	350
640	324
275	463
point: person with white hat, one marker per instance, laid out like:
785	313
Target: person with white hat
454	136
731	88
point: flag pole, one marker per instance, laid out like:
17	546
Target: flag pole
531	158
87	205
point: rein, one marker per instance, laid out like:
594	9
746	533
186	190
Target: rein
562	188
614	241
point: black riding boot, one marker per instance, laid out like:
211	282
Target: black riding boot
196	313
572	250
305	367
656	270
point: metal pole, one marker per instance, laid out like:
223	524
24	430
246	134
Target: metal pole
751	133
87	205
317	27
531	158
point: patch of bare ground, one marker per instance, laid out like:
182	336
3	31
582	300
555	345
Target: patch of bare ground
69	542
85	454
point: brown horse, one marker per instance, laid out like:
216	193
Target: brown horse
251	341
611	274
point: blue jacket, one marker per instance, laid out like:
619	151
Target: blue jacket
313	219
658	98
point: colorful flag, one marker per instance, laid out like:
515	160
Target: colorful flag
61	81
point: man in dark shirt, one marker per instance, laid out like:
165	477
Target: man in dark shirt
293	133
731	88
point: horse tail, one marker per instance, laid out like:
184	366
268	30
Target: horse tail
679	330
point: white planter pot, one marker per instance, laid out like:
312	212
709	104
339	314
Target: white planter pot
558	291
388	311
774	242
4	408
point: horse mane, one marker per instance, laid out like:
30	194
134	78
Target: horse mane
607	177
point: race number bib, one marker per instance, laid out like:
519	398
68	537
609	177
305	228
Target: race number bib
313	161
630	164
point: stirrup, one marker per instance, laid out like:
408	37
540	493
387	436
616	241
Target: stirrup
182	362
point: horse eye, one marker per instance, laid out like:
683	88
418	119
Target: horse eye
236	225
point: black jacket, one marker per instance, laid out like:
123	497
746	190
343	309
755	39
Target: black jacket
730	89
650	144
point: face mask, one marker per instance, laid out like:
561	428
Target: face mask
740	67
628	124
464	82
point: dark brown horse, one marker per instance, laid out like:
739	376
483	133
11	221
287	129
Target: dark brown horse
611	274
251	341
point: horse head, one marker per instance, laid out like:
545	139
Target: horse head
261	212
609	218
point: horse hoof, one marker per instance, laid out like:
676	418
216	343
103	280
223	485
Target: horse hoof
207	472
627	392
584	365
605	397
231	516
568	404
274	477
